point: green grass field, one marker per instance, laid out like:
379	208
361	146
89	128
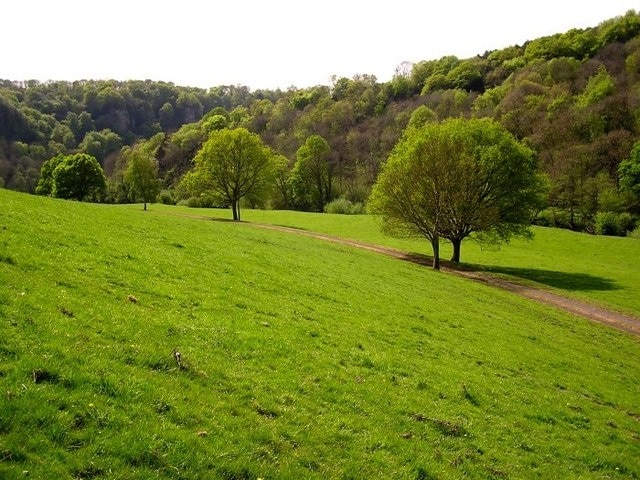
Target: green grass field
603	270
300	359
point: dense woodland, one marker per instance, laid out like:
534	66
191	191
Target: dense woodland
573	97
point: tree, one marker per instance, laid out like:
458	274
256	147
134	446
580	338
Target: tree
456	178
141	174
629	174
233	164
45	184
311	175
78	177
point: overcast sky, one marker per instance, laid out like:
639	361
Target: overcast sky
267	43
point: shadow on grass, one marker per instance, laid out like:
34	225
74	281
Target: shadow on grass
570	281
563	280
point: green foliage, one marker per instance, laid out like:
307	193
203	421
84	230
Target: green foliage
635	233
141	174
311	176
466	76
629	172
233	164
620	29
100	144
456	178
599	86
204	200
626	222
45	184
78	177
166	197
344	207
607	224
271	385
613	224
575	43
421	116
214	122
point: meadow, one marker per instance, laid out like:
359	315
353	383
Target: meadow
298	358
602	270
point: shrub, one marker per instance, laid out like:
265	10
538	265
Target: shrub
635	233
194	202
545	218
344	207
552	217
607	223
203	201
610	223
627	223
166	197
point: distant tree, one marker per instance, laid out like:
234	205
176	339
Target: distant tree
629	174
100	144
141	175
311	176
233	164
282	183
45	184
456	178
214	122
421	116
79	177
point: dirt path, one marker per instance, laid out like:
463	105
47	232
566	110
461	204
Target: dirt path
609	317
612	318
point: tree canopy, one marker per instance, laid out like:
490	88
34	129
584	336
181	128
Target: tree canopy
79	177
311	175
233	164
451	179
629	172
141	174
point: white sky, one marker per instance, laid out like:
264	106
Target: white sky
269	43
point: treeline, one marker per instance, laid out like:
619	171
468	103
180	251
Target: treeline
573	97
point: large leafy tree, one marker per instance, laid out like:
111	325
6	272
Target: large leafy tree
311	176
45	184
78	177
233	164
141	174
452	179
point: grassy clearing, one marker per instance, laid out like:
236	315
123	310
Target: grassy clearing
604	270
300	359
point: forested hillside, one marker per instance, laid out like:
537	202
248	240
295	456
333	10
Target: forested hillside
574	97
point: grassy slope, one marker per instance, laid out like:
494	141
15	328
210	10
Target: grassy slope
302	359
604	270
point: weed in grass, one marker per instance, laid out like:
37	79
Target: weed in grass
470	396
106	387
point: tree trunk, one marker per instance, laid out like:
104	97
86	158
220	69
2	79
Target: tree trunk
145	206
456	249
235	210
435	243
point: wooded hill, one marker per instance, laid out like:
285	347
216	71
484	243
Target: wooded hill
574	97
